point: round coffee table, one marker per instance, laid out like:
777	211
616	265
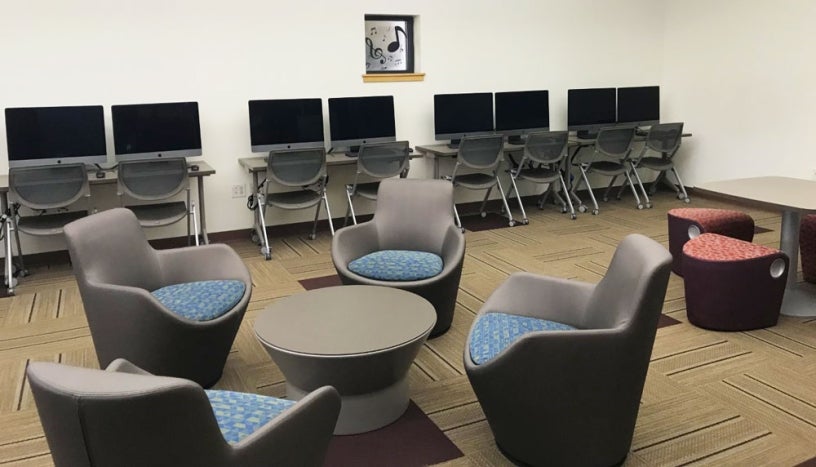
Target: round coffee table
360	339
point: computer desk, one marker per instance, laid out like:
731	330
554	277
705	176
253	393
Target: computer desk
204	170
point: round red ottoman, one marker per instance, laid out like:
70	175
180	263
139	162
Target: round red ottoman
733	285
686	223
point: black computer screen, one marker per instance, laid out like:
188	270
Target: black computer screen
458	114
155	128
590	107
639	105
354	120
285	123
522	110
55	132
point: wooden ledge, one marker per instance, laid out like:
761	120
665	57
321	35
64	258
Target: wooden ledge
392	77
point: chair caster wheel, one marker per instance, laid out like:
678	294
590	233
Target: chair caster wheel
648	205
563	210
640	207
595	212
254	238
484	214
312	236
462	229
687	200
605	199
573	216
680	196
525	221
582	208
511	223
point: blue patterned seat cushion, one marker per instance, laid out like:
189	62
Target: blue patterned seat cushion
203	300
240	414
397	265
493	332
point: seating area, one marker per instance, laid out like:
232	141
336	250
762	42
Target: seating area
437	381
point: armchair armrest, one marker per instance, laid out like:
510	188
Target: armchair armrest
299	436
201	263
120	365
350	243
542	297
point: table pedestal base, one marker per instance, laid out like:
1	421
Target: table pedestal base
365	412
799	300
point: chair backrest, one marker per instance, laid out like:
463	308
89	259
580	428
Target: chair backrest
615	142
546	147
94	417
48	187
110	247
414	213
631	293
481	152
665	137
153	180
296	167
383	160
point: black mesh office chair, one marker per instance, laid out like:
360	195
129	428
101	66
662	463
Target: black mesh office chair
378	161
482	153
663	139
301	168
40	189
149	181
610	158
544	154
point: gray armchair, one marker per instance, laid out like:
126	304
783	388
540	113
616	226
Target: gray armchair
117	270
559	366
127	417
416	215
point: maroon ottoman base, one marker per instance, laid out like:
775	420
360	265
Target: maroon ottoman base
732	285
686	223
807	247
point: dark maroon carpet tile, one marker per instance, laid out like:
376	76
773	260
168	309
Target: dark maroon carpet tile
666	320
411	441
477	223
320	282
759	230
808	463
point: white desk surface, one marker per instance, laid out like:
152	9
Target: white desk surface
785	193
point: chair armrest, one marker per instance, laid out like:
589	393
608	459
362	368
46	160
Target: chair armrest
299	436
453	246
201	263
120	365
350	243
542	297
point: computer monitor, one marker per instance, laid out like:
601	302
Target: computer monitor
147	131
55	135
357	120
590	109
460	115
522	112
277	124
639	106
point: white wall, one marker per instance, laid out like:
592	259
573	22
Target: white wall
742	75
224	53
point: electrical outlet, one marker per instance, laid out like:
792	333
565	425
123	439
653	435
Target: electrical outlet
238	191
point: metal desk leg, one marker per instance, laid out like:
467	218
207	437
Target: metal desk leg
799	298
436	168
8	269
201	213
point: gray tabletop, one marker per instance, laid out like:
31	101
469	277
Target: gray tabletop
345	320
793	194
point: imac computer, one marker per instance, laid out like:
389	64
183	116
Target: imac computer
588	110
639	106
521	112
460	115
357	120
55	135
279	124
148	131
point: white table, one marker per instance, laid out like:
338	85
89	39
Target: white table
794	197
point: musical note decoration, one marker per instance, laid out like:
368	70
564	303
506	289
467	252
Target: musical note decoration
394	34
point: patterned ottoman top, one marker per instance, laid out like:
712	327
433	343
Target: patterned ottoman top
713	247
705	215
